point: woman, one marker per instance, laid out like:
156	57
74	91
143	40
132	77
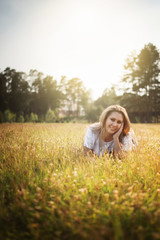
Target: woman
111	134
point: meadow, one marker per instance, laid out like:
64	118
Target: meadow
49	190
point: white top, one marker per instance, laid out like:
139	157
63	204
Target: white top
91	141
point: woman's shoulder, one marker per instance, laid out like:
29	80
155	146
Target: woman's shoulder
95	128
91	137
91	130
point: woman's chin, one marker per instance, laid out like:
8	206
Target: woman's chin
112	131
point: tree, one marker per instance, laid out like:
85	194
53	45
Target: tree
9	116
3	93
45	93
108	98
1	117
16	91
33	117
93	112
142	77
75	95
50	116
20	119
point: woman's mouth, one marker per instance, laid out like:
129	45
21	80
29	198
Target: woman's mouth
113	129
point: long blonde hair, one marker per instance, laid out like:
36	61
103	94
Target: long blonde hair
106	113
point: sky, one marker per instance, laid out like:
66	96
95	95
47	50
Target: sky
87	39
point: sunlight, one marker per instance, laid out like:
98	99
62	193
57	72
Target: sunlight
85	39
87	43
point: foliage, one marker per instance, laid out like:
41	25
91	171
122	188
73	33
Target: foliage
142	91
1	117
45	93
49	190
93	112
27	118
20	92
108	98
20	119
50	116
9	116
75	95
33	117
36	93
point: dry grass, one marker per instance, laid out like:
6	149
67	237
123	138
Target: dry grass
49	190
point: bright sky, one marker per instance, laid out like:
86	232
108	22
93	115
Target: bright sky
88	39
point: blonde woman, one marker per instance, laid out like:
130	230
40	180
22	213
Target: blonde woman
111	134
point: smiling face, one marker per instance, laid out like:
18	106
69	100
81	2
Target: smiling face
113	123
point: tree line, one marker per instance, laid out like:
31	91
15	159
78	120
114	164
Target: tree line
38	98
35	97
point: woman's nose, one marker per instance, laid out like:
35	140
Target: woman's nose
115	124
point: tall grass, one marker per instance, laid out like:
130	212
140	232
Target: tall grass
49	190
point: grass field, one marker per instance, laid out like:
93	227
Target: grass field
49	190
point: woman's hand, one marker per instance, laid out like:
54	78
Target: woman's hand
117	151
118	133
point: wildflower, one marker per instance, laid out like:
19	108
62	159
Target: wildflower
35	201
39	196
51	203
128	194
130	188
22	192
83	190
89	204
75	173
112	203
103	182
106	195
38	207
38	189
115	192
77	197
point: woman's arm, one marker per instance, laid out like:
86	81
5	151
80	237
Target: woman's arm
117	150
89	141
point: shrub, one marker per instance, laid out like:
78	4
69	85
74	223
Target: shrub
50	116
20	119
9	116
27	118
41	118
33	117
